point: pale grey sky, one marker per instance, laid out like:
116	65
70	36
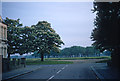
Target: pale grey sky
73	21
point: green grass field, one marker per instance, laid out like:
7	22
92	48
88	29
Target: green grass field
79	58
38	61
34	61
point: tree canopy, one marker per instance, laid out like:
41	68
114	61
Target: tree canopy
40	37
46	39
13	29
107	28
74	51
106	32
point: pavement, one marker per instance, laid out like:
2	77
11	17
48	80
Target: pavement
20	71
105	72
62	71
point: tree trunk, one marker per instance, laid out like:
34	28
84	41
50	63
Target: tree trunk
42	57
115	58
8	55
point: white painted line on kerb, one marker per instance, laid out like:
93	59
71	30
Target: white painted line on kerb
51	77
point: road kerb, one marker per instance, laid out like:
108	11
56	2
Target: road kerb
15	76
97	74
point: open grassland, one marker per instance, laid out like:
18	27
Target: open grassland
79	58
33	61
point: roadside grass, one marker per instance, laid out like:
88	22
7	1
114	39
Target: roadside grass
38	61
79	58
34	61
103	61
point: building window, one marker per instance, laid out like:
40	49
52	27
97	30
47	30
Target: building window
1	50
5	54
4	33
0	32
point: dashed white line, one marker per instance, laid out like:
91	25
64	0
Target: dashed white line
66	65
59	71
63	68
51	77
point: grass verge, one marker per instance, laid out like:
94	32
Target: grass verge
38	61
80	58
103	61
34	61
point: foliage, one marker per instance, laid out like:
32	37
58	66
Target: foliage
13	27
107	29
74	51
106	32
78	50
46	39
40	38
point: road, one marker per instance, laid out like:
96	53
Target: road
62	71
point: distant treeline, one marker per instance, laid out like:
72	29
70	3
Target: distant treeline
74	51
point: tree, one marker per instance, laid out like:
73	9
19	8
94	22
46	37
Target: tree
78	51
12	35
20	39
26	43
46	39
107	29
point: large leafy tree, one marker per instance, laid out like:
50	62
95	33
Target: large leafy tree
40	37
20	39
27	37
107	28
13	27
46	39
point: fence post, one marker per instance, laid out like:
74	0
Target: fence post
18	63
23	61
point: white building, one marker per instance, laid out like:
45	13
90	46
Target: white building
3	39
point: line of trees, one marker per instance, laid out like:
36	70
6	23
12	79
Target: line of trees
74	51
40	37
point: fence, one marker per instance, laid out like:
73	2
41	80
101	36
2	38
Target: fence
11	64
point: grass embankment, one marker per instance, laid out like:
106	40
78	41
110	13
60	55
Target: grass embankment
80	58
34	61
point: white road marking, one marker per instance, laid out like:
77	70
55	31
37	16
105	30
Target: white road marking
66	65
97	74
63	68
59	71
51	77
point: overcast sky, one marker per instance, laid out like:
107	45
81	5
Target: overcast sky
73	21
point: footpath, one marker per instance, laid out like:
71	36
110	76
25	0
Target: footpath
104	72
18	72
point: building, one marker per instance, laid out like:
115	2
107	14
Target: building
3	39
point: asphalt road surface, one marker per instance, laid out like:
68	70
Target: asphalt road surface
62	71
